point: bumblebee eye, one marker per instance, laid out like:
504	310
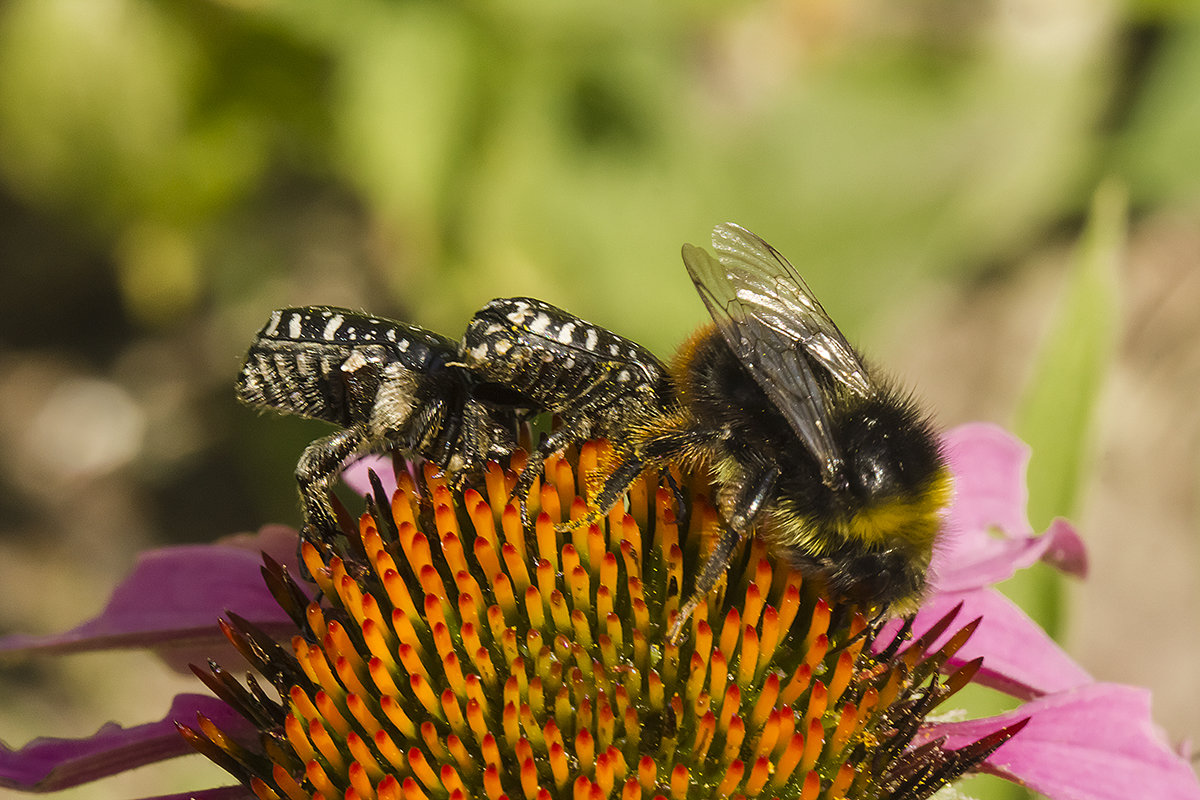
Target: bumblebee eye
874	477
889	451
874	469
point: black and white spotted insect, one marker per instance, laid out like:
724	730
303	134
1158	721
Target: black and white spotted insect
389	385
597	383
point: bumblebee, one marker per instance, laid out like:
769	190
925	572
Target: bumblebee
387	384
839	472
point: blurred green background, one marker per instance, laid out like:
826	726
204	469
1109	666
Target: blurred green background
171	171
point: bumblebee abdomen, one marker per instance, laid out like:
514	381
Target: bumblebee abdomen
714	384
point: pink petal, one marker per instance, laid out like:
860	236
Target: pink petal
988	535
989	478
172	600
1019	658
277	541
969	560
355	476
1096	742
49	764
1065	550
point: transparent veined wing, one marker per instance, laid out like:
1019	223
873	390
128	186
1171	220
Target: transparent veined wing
778	330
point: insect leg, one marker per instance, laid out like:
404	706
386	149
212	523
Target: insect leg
748	503
440	433
319	466
483	435
577	421
615	485
665	474
672	439
551	443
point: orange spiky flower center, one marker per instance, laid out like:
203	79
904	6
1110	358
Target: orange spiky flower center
457	655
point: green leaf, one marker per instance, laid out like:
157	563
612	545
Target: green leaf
1055	416
1055	419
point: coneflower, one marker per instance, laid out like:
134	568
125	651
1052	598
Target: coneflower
444	652
457	655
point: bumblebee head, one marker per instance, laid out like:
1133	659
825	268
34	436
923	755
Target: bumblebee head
890	577
871	535
873	553
888	449
886	542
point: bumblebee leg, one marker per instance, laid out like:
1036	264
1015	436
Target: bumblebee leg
749	500
675	439
618	482
716	566
551	443
665	474
319	467
752	497
615	485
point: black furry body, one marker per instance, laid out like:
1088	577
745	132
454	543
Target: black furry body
769	480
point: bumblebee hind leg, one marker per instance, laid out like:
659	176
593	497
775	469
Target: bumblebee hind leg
714	567
681	506
748	501
639	449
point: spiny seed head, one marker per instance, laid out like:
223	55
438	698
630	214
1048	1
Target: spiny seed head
458	655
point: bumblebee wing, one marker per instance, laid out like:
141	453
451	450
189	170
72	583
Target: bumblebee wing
768	288
779	331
